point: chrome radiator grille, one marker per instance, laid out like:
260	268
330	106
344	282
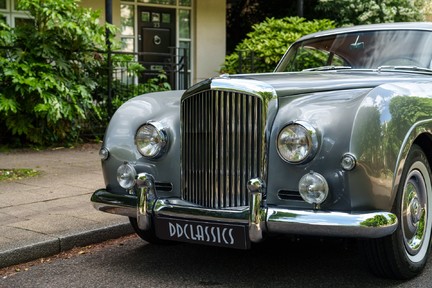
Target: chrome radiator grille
221	147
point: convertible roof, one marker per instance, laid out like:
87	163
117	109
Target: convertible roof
425	26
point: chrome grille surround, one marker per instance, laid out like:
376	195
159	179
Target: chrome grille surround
223	142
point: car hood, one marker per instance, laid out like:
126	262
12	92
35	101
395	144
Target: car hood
297	83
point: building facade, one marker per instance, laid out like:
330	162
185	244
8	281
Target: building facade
195	28
192	28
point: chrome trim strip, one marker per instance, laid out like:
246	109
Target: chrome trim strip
322	223
175	208
278	220
119	204
115	209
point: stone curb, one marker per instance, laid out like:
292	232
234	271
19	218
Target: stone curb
62	243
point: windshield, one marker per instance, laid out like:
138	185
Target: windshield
361	50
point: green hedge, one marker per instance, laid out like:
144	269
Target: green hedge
269	40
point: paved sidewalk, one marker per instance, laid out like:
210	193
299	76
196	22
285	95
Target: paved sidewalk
50	213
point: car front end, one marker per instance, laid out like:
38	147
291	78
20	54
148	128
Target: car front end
335	142
235	161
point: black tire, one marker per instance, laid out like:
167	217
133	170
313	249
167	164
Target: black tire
403	254
148	236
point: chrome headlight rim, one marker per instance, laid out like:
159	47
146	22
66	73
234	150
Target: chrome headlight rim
311	137
159	142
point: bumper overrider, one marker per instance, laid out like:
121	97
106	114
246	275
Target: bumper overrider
179	220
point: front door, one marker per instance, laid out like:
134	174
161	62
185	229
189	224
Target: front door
157	28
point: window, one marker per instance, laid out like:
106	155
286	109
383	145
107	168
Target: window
162	2
11	14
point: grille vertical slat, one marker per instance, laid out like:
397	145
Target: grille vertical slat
221	140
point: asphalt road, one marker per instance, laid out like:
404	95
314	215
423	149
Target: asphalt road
280	263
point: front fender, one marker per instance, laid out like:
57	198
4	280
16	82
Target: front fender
332	114
389	120
119	137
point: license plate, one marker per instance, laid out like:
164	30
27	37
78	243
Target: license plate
198	232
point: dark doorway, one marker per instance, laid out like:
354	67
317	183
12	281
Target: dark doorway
157	38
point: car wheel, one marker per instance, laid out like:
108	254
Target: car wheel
148	236
403	254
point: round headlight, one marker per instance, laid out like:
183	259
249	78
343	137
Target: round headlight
151	139
297	142
126	176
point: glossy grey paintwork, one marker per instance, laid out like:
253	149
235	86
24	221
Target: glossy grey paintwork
401	114
119	138
338	104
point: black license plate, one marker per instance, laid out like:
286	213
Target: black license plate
198	232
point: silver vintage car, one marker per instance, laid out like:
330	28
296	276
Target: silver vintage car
337	141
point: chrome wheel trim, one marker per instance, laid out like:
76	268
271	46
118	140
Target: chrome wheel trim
415	217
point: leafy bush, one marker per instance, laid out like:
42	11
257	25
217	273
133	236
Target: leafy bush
355	12
269	40
45	89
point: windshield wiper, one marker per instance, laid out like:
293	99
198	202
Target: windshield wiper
325	68
404	68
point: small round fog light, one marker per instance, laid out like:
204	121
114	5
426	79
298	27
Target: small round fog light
313	188
126	176
348	162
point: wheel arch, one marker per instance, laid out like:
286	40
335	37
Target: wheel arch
421	135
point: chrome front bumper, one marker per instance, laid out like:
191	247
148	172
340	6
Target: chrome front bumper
258	217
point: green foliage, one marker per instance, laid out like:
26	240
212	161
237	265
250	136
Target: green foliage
355	12
124	87
269	40
405	112
45	91
378	221
16	174
53	74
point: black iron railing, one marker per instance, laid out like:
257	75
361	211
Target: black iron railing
174	64
125	78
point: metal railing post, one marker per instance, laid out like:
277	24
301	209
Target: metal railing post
240	64
185	69
108	19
